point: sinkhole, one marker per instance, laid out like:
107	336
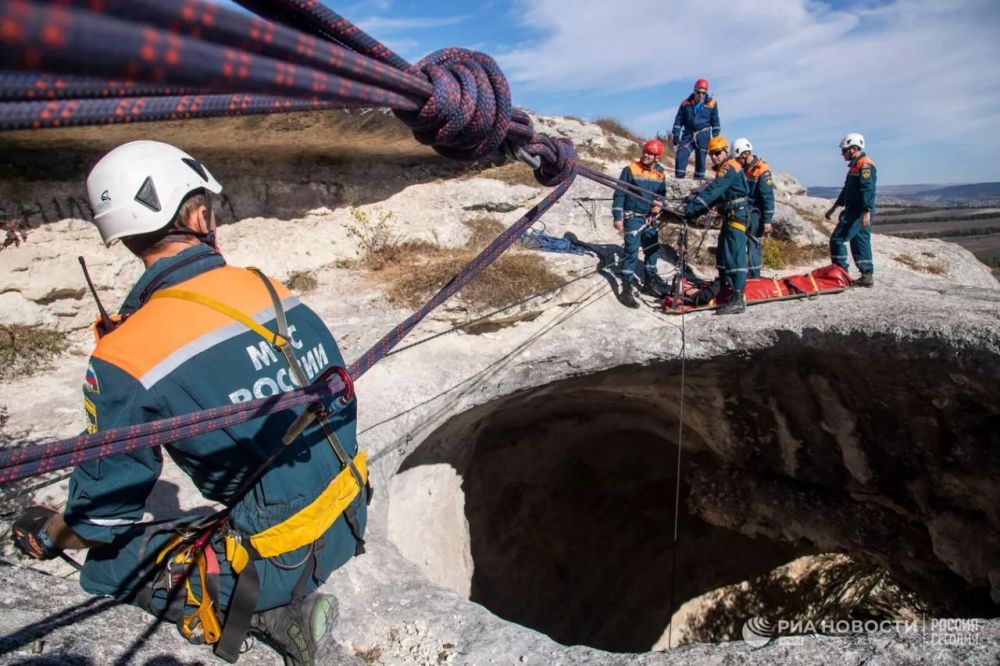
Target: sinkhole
554	506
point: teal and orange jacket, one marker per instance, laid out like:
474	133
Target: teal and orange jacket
728	192
171	357
858	194
652	178
761	185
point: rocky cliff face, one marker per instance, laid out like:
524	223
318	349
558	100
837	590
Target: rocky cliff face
527	470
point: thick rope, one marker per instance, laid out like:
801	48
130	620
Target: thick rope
455	100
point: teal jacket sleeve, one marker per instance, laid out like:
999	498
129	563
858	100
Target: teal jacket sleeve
711	194
765	197
108	495
868	177
679	123
618	200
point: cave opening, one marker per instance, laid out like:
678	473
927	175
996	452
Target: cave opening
568	489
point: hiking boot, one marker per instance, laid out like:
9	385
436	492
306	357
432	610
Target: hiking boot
296	630
655	286
735	305
628	296
866	280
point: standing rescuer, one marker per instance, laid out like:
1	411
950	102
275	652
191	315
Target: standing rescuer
858	199
696	122
728	194
635	216
195	333
761	202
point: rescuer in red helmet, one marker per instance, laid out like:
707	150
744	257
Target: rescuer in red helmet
634	216
697	121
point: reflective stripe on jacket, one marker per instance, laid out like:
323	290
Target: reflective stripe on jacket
652	179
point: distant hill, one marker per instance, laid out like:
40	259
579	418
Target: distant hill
969	194
963	192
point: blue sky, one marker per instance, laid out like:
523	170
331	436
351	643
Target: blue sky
919	78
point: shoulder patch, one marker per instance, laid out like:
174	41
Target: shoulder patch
90	382
769	181
91	414
866	173
723	170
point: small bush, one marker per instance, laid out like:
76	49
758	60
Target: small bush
25	349
14	233
375	233
301	282
778	254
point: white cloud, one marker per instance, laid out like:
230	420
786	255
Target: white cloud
385	24
909	71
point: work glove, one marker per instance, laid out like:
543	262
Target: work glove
829	213
676	140
29	533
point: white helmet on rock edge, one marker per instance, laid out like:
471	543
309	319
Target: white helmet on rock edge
741	146
852	139
139	186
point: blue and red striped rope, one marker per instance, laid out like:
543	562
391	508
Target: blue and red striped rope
165	61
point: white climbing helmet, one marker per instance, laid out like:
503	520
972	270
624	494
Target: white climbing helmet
852	139
741	146
139	186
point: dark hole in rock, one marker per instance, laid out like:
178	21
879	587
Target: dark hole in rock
824	445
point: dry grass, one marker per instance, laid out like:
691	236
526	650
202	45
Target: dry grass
301	282
934	268
610	153
778	254
511	172
388	256
25	349
369	656
511	278
484	230
614	126
414	271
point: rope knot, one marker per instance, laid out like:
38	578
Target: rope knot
559	162
468	114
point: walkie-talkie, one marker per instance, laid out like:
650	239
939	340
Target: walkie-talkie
107	323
